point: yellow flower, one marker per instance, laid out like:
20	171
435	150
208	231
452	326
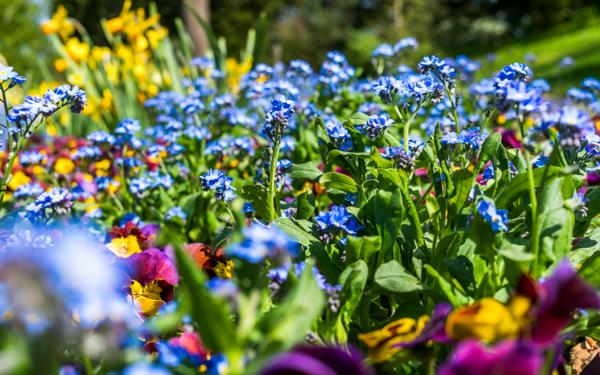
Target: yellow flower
77	50
147	297
236	70
60	65
59	23
99	54
124	247
38	170
156	35
107	100
75	79
501	119
487	320
18	179
64	166
224	270
383	343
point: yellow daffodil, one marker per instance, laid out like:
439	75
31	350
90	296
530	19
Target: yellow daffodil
60	65
124	247
383	343
147	297
235	72
487	320
77	50
59	24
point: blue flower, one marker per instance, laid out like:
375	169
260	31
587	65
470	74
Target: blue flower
262	242
338	220
496	218
176	213
386	88
7	74
591	83
438	67
216	180
127	127
277	118
383	51
145	368
515	72
375	126
405	44
339	135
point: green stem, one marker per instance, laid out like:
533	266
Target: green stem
272	194
535	229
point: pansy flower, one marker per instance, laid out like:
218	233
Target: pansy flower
130	239
152	276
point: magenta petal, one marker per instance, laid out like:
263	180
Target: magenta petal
151	265
561	294
507	358
509	139
309	360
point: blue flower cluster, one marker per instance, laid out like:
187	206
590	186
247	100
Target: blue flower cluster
439	68
277	118
337	220
335	72
58	200
375	126
8	74
472	138
218	181
262	242
35	107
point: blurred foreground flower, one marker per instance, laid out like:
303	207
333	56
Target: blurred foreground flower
310	360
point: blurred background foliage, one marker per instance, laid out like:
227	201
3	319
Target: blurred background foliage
308	28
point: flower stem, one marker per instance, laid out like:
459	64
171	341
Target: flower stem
272	193
535	230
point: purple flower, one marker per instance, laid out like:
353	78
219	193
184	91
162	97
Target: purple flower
310	360
559	296
507	358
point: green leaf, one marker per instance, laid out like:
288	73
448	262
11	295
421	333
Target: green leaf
454	296
519	185
461	269
488	150
463	180
556	221
334	180
354	278
305	171
210	313
358	118
515	250
289	322
295	231
392	277
385	211
305	205
586	248
589	270
258	197
362	247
